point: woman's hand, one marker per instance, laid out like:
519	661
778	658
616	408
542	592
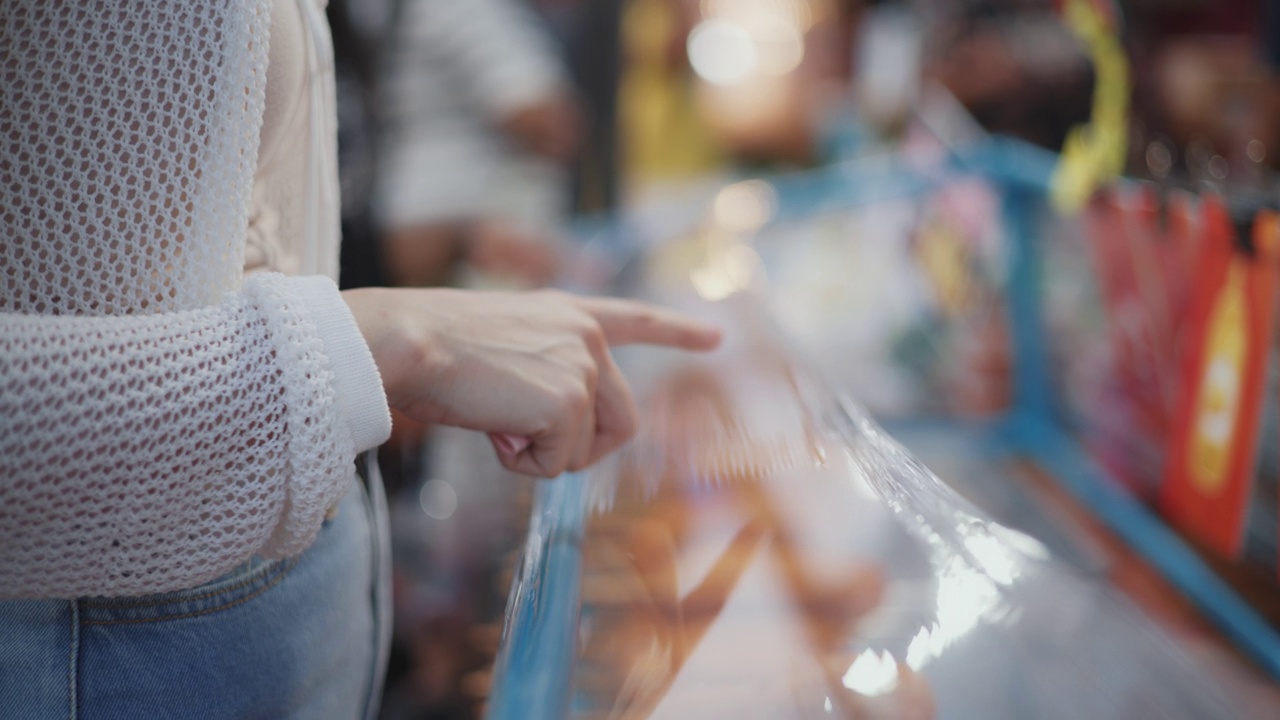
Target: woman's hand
533	365
551	127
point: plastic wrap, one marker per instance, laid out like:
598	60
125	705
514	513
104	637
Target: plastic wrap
764	550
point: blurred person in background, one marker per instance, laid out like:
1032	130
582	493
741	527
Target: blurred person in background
477	121
480	122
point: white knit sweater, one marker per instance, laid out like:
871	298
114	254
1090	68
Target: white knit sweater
163	419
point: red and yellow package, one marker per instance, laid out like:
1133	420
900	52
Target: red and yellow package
1213	448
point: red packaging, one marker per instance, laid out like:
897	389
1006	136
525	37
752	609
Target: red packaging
1213	448
1132	260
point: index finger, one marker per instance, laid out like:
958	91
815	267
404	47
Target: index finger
628	322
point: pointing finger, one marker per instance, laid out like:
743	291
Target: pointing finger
628	322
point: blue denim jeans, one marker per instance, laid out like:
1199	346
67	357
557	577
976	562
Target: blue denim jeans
302	638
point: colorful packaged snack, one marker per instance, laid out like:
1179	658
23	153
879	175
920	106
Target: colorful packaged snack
1213	448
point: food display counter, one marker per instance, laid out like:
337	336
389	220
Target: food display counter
764	549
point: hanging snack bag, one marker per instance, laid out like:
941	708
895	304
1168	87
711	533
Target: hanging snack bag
1213	446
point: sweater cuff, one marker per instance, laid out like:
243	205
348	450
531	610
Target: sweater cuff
361	401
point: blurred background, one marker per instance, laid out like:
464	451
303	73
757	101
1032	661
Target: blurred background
527	143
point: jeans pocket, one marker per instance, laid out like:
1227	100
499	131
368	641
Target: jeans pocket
247	581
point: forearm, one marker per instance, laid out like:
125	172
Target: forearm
149	453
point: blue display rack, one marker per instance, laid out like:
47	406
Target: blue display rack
533	671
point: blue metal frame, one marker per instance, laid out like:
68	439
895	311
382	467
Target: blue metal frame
1032	431
539	636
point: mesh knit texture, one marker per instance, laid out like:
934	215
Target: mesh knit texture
160	422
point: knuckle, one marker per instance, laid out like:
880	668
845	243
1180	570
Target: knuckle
590	375
575	400
644	318
593	337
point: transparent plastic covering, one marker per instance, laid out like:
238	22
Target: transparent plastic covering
765	550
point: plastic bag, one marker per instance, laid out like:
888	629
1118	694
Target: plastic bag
764	550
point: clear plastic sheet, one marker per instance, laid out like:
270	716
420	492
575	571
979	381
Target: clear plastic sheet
764	550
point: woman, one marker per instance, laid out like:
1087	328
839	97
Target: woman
183	390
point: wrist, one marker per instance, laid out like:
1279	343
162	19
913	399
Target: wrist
405	344
359	392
